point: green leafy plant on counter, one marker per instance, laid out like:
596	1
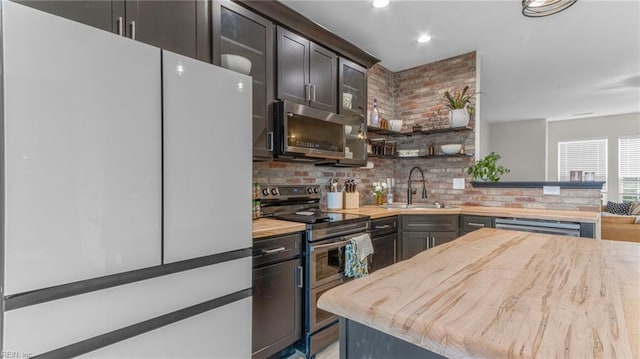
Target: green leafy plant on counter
487	170
459	100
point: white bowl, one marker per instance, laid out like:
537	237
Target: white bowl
451	149
395	125
236	63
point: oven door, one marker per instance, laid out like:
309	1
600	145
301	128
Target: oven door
326	261
302	130
319	318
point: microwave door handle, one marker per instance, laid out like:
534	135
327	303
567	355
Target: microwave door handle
329	245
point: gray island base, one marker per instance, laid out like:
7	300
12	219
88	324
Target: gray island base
360	341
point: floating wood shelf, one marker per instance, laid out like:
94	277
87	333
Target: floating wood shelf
384	132
540	184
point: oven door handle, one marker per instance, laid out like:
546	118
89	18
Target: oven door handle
329	245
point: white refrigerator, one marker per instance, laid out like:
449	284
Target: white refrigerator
126	176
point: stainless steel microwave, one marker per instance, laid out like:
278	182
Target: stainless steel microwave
307	134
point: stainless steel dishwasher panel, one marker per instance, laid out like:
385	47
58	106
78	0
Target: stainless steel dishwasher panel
539	226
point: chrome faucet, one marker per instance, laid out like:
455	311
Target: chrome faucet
411	191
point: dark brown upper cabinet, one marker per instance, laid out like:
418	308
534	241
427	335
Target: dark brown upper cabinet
96	13
307	72
352	84
179	26
238	31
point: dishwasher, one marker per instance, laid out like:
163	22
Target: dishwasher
539	226
384	238
277	294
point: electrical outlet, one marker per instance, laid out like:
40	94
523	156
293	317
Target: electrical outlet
458	183
551	190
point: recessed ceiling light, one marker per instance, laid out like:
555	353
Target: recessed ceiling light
380	3
424	38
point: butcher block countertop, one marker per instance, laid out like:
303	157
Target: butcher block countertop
266	227
555	215
495	293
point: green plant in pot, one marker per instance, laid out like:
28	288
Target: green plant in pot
487	169
460	106
459	100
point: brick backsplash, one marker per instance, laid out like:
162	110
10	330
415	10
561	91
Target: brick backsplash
304	173
380	86
415	96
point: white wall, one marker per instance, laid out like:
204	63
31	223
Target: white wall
482	128
522	145
611	127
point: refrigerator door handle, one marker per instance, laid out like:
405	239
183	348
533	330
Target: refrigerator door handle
119	22
133	30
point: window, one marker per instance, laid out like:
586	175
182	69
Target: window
629	171
583	155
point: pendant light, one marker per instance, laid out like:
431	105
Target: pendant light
539	8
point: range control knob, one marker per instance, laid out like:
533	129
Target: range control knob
265	191
274	191
310	190
316	189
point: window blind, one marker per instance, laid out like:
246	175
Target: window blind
583	155
629	168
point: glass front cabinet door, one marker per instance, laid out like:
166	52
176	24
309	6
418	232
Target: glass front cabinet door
352	102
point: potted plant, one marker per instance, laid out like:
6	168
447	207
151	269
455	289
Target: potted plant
460	107
378	191
487	170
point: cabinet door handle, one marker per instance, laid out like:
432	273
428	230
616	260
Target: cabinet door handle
300	277
133	30
313	96
119	22
382	227
307	92
270	141
473	224
273	250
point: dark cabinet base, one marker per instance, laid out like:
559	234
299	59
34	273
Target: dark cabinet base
361	341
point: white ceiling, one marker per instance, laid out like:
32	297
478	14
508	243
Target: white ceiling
585	59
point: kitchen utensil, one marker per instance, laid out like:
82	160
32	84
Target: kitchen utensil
333	184
451	149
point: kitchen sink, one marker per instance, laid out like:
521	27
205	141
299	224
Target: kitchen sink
414	206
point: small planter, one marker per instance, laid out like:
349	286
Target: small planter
458	117
380	200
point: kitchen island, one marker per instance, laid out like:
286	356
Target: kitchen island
496	293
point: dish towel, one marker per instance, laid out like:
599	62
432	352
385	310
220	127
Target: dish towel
356	253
